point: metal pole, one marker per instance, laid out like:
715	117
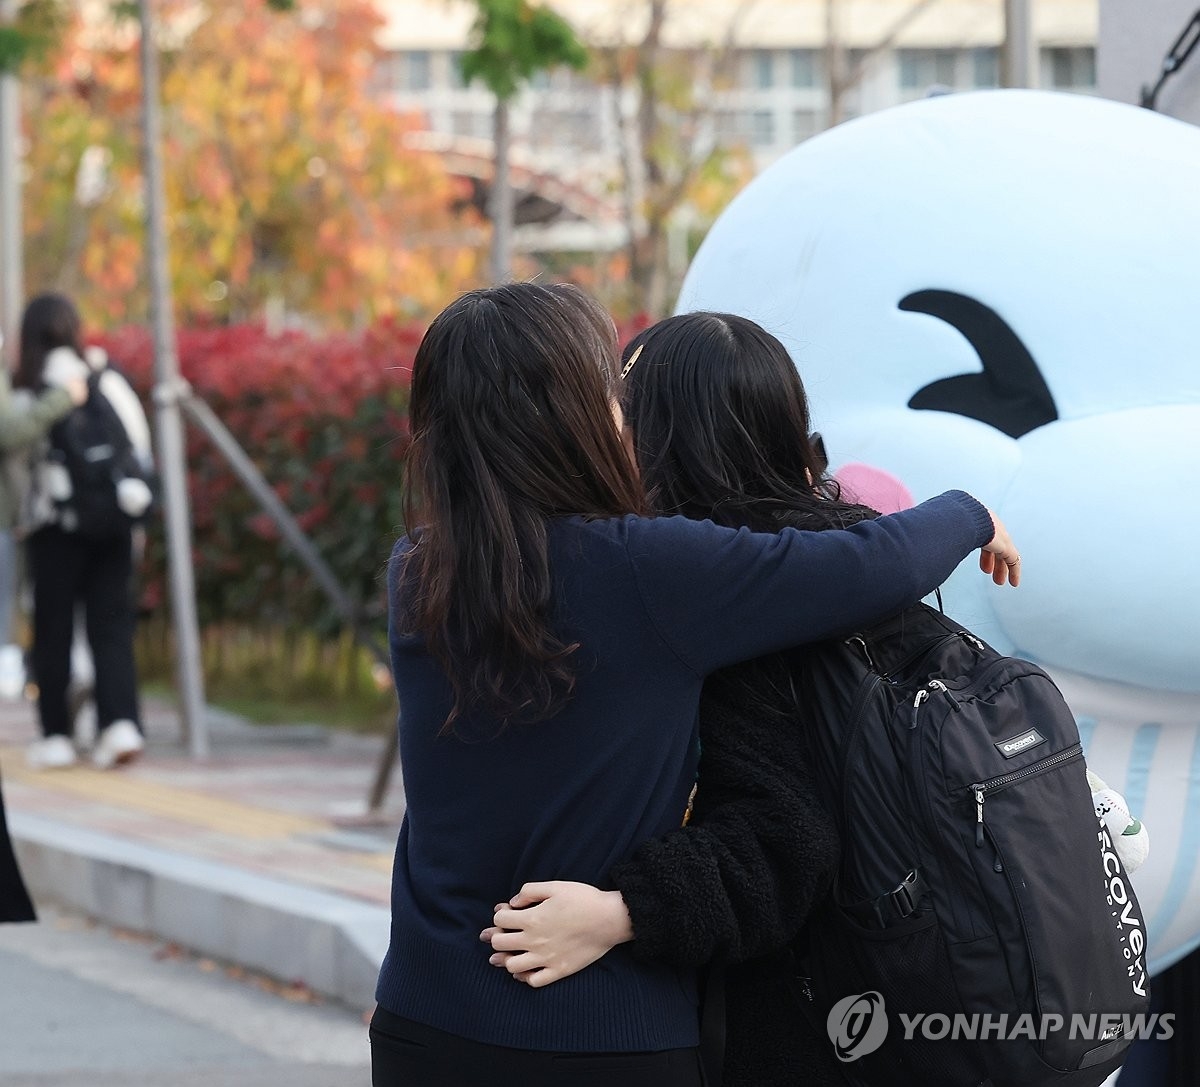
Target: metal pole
246	470
1019	53
500	205
168	390
12	286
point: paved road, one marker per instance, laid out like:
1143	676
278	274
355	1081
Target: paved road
81	1006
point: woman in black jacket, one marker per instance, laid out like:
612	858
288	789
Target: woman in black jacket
720	426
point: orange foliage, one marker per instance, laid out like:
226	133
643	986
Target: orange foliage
286	178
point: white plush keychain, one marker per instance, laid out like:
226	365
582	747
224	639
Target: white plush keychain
1130	837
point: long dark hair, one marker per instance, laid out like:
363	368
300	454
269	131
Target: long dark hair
50	321
721	427
511	411
721	430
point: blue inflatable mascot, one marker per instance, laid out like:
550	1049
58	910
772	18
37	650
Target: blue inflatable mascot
1001	291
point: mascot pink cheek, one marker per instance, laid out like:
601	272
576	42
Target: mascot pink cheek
873	487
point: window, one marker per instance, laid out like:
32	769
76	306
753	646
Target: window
922	68
985	67
404	72
804	124
762	128
804	67
1071	68
419	71
454	69
762	69
756	69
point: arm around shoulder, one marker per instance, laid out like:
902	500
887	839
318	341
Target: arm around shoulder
719	595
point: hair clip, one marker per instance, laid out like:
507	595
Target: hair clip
632	359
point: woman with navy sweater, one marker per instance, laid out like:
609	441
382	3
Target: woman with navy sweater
549	643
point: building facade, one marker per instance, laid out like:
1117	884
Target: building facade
775	91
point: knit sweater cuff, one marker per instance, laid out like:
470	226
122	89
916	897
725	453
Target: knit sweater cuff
985	529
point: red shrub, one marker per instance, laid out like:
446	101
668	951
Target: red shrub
325	420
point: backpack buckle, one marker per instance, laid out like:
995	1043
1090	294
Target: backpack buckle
906	897
895	905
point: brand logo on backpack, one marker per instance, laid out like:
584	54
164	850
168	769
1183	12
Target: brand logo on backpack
1124	912
857	1025
1014	745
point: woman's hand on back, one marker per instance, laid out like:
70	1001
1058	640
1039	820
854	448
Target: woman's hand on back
549	931
1000	557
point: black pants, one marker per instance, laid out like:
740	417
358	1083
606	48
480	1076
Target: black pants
408	1054
68	568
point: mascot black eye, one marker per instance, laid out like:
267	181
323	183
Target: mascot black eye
1010	394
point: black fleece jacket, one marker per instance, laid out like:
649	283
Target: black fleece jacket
738	883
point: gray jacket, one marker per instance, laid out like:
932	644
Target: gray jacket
23	422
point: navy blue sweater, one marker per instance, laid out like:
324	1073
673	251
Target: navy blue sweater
656	605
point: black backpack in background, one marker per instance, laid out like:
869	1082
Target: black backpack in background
91	443
975	876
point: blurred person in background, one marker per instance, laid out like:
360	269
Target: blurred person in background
88	490
21	426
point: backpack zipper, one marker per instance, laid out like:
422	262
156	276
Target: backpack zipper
956	697
995	785
923	695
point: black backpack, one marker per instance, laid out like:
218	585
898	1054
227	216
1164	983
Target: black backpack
91	443
976	879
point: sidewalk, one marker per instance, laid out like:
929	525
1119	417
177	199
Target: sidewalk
261	856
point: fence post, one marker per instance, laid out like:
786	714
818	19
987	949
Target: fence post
12	286
172	453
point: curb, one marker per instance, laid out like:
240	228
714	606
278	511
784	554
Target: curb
332	944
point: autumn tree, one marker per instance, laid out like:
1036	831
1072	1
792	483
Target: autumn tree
842	75
288	182
675	174
513	40
29	30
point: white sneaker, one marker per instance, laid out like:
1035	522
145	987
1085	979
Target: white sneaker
12	672
52	753
121	742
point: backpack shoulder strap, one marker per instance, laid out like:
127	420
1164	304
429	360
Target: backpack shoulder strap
97	359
